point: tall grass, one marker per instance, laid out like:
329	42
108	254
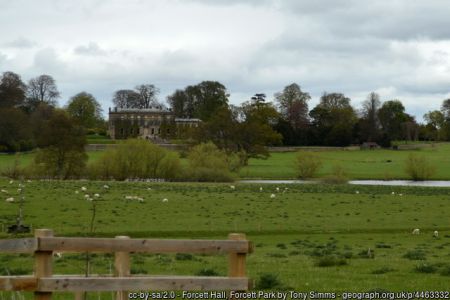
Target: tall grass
419	168
307	164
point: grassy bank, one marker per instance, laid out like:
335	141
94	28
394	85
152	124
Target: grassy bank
303	228
358	164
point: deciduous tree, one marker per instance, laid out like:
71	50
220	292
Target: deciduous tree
12	90
85	110
42	89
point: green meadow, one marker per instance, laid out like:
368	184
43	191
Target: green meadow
358	164
307	237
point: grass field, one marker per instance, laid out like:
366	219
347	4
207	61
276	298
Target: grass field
303	228
359	164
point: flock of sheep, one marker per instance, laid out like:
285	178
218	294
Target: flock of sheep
416	231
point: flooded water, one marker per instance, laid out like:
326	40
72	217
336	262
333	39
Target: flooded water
428	183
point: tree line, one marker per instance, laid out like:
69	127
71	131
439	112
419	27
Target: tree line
28	112
27	108
289	121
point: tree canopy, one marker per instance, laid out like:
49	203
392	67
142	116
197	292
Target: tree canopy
84	109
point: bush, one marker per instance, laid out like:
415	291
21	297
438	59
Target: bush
207	272
307	164
445	271
418	167
184	256
13	171
268	281
338	176
331	260
425	268
136	159
415	255
382	270
208	163
50	162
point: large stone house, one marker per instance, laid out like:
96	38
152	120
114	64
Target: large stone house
150	123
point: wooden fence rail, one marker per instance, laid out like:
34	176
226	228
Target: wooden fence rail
44	283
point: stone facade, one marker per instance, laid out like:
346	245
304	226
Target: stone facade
144	123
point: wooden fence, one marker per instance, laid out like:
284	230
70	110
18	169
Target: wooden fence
43	283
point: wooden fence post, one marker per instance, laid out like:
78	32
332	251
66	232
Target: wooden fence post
43	264
122	268
236	261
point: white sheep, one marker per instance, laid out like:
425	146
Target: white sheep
393	193
57	254
11	199
77	192
87	196
4	191
96	195
416	231
232	187
260	189
357	192
83	188
272	196
278	189
106	186
165	200
436	234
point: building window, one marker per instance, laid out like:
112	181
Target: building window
153	130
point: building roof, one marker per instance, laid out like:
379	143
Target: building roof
156	109
187	120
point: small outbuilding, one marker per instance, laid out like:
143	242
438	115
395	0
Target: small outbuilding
369	146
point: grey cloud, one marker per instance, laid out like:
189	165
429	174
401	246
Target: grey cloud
46	61
21	43
401	20
348	46
91	49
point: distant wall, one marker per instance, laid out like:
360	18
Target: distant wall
312	148
102	147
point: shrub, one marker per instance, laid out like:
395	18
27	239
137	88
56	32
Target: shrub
338	176
415	255
207	272
418	167
136	159
50	162
13	171
425	268
208	163
184	256
268	281
382	270
445	271
330	260
307	164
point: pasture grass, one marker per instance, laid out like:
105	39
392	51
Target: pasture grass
358	164
309	237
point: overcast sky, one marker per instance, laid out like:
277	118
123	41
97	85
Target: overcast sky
398	48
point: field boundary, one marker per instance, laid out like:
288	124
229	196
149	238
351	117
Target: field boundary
44	245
